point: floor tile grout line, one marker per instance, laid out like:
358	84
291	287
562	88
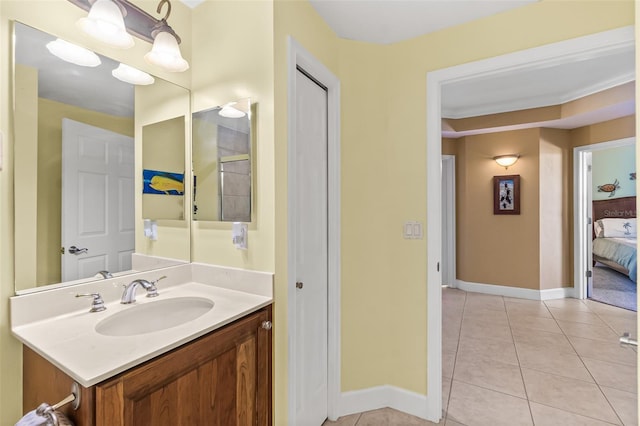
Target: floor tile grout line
455	359
578	414
590	373
524	384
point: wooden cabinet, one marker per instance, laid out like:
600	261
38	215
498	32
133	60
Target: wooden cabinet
223	378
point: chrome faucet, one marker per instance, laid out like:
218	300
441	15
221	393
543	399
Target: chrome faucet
129	295
104	274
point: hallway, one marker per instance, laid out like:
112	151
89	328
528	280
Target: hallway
522	362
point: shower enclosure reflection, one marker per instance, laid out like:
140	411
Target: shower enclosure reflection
221	143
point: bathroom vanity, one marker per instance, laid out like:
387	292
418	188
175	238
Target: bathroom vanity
211	370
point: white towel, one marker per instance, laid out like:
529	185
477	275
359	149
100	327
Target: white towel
33	419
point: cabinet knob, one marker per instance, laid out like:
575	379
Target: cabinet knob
299	284
267	325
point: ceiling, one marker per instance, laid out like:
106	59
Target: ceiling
392	20
68	83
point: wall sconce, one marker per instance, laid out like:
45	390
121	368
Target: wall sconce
507	160
114	21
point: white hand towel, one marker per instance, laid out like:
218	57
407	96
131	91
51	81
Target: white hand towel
33	419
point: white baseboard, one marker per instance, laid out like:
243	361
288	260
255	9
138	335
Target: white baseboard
381	397
521	293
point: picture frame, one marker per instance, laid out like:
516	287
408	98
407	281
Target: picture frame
506	194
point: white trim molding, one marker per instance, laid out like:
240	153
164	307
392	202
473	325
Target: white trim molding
516	292
381	397
298	56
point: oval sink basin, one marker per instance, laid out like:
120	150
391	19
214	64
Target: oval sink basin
154	316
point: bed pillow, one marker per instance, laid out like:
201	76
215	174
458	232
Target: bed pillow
597	229
616	228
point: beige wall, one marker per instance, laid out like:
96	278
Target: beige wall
162	102
26	136
498	249
449	146
163	149
233	59
556	261
602	132
550	182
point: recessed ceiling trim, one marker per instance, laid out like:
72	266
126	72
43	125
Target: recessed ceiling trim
599	87
485	95
535	102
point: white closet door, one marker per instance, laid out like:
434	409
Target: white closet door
311	252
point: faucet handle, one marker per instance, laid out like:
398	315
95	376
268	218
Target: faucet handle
97	305
153	290
156	281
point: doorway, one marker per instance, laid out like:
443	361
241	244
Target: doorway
565	51
602	267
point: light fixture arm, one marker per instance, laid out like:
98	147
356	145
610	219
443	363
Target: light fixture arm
168	9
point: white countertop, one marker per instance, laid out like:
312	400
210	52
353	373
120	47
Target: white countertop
70	342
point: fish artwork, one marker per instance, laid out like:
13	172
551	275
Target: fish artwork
158	182
611	188
166	184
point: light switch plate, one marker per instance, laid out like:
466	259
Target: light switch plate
412	230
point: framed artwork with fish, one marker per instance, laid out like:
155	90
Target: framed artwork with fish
506	194
165	183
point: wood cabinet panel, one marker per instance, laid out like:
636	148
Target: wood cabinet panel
223	378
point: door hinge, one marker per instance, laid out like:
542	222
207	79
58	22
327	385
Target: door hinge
438	266
589	168
589	274
590	221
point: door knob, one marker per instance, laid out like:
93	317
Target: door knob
267	325
299	285
77	250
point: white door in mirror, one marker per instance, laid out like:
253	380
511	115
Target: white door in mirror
97	200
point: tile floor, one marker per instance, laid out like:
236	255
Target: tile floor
521	362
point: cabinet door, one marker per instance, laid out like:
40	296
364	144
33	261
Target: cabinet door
220	379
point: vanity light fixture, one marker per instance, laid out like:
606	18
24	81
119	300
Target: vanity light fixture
104	20
132	75
230	111
73	53
507	160
165	52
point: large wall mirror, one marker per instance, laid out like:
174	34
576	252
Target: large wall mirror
79	167
221	146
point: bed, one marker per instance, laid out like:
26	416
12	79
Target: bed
615	235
